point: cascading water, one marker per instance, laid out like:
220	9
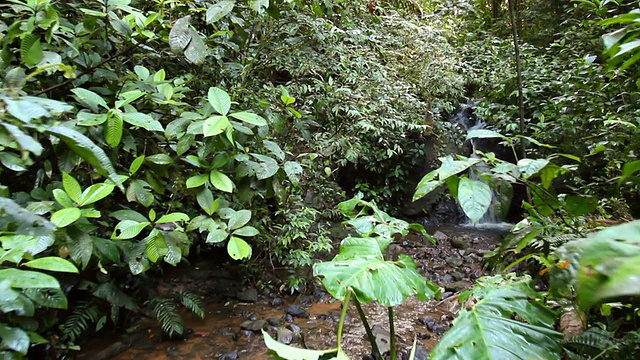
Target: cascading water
495	215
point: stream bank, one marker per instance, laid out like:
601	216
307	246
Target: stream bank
235	314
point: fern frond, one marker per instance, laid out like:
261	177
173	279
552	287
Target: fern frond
166	312
192	302
82	317
51	297
589	343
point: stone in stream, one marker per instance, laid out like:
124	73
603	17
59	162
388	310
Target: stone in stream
275	321
428	321
421	353
284	335
440	237
439	329
276	302
456	286
253	325
294	328
229	356
453	261
458	243
296	311
383	338
457	275
248	295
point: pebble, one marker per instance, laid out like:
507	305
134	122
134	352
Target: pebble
275	321
423	336
428	321
294	328
253	325
454	261
276	302
439	329
248	295
229	356
284	335
296	311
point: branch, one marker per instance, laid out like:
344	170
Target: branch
88	70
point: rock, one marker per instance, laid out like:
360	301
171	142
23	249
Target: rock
287	318
253	317
447	278
294	328
253	325
421	353
226	331
284	335
246	333
439	329
276	301
423	336
458	243
446	295
453	261
457	275
428	321
275	321
440	237
296	311
306	300
383	338
248	295
229	356
456	286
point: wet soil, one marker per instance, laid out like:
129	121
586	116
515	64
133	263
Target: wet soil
453	263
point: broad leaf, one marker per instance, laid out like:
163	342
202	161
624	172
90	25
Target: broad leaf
173	217
294	353
128	229
23	279
488	331
65	216
72	188
90	99
25	141
215	125
250	118
238	248
239	219
219	100
197	180
14	339
530	167
293	171
113	128
221	181
219	10
246	231
86	149
474	197
483	134
143	120
52	263
451	167
360	267
95	192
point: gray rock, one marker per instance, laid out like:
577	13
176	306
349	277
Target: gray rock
447	278
440	237
248	295
458	243
253	325
428	321
275	321
457	275
296	311
456	286
446	295
229	356
439	329
276	301
294	328
284	335
383	338
421	353
453	261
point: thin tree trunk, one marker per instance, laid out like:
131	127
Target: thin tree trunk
516	48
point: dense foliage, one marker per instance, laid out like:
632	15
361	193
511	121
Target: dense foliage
135	134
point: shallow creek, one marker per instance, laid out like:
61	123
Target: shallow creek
236	313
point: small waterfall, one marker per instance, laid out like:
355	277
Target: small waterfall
495	215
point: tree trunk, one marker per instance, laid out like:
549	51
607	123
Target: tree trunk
516	48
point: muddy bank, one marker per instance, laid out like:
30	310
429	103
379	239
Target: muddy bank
236	313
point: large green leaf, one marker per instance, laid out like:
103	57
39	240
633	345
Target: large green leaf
487	328
607	263
451	167
52	263
361	268
219	100
113	128
65	216
239	219
215	125
95	192
474	197
24	279
87	150
250	118
14	339
90	99
294	353
142	120
27	108
238	248
128	229
530	167
219	10
426	185
25	141
72	187
221	181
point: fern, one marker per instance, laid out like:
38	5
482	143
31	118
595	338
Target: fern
192	302
83	315
166	311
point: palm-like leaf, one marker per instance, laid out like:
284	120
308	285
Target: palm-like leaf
507	322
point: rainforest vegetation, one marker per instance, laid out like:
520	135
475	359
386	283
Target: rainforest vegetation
137	135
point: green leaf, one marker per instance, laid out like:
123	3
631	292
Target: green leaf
489	331
361	267
219	10
173	217
580	205
95	192
24	279
219	100
239	219
215	125
72	188
22	221
27	108
530	167
250	118
629	169
452	167
266	168
14	339
113	128
128	229
90	99
160	159
129	97
142	120
85	118
474	197
259	5
196	181
136	164
246	231
426	185
216	235
87	150
238	248
221	181
66	216
205	200
137	191
25	141
294	353
129	215
52	263
180	34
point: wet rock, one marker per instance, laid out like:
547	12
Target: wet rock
457	275
439	329
276	301
458	243
284	335
421	353
447	278
248	295
287	318
453	261
456	286
253	325
428	321
383	338
437	266
253	317
226	331
275	321
423	336
246	333
306	300
467	260
440	237
229	356
446	295
294	328
296	311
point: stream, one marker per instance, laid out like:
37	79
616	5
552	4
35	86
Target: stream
235	314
